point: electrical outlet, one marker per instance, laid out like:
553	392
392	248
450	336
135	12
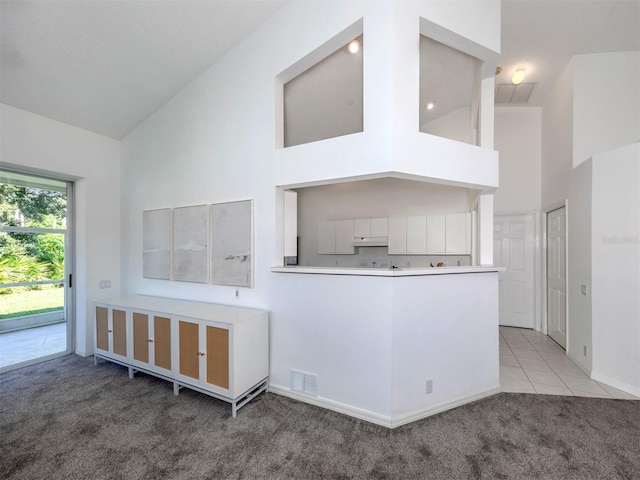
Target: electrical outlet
429	386
104	284
584	350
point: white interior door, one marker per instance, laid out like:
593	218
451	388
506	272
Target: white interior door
513	248
557	276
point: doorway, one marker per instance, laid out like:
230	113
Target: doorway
514	249
557	276
36	314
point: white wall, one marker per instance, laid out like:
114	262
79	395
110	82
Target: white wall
606	112
31	141
455	125
442	332
384	197
518	138
215	142
616	268
579	265
557	140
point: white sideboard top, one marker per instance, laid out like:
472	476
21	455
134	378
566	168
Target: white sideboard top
185	308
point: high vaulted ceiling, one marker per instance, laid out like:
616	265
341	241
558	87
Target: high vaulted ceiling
106	65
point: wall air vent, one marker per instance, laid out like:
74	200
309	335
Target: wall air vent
509	93
304	382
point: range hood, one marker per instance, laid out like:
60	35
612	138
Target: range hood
370	241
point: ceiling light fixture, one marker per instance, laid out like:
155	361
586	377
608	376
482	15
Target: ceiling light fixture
430	105
518	77
354	46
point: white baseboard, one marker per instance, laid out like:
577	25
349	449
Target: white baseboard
83	353
429	410
332	405
625	387
382	420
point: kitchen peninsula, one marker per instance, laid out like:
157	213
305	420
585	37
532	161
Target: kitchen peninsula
428	336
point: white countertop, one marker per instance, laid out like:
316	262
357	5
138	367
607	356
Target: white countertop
386	272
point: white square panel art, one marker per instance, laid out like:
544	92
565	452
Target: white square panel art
190	246
232	243
156	241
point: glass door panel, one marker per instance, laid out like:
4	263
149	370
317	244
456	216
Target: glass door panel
34	267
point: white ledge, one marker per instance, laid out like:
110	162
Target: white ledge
386	272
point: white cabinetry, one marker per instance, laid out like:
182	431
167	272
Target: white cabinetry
362	228
218	350
370	227
413	235
335	237
417	235
111	332
458	234
436	235
408	235
379	227
449	234
151	335
397	236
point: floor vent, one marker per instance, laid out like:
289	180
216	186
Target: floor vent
304	382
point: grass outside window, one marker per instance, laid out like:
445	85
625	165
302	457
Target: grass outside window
22	301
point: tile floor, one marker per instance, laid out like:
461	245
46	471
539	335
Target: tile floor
531	362
24	345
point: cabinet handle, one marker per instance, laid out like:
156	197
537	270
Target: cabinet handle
201	353
150	340
109	331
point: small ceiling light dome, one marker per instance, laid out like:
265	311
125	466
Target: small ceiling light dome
354	46
518	77
430	105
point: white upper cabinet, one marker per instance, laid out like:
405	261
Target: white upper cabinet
436	235
379	227
344	237
458	233
414	235
397	236
362	228
408	235
371	232
327	238
417	235
335	237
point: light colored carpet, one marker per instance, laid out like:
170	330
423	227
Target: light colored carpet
66	419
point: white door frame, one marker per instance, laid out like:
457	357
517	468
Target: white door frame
544	286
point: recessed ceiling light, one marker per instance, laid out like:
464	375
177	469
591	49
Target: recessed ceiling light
354	46
430	105
518	77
